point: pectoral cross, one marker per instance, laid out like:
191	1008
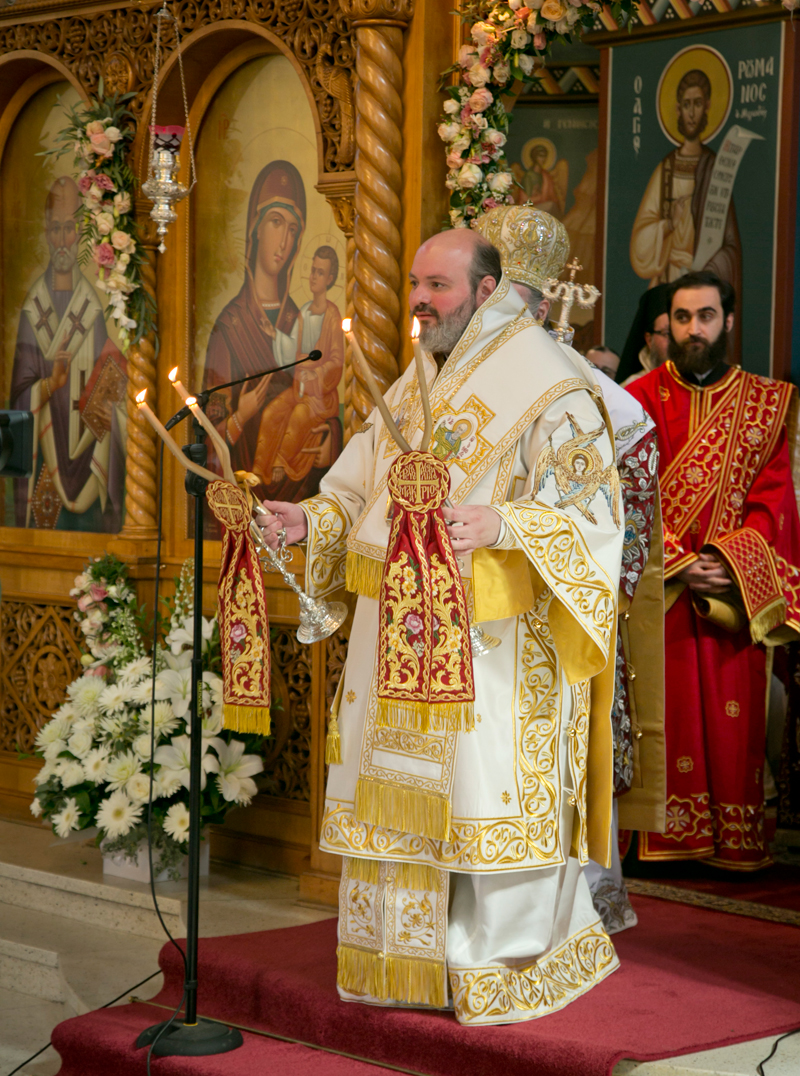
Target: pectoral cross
44	317
77	324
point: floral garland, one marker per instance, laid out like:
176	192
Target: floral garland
508	39
100	136
97	747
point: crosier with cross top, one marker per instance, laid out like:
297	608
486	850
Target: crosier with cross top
568	292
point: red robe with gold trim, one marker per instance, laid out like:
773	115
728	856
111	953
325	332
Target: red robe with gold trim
726	488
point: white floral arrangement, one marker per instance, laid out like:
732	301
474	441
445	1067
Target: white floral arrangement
97	746
100	136
507	41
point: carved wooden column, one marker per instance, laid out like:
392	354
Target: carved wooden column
141	452
344	214
379	26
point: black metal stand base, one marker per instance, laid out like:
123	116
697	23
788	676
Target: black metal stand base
202	1039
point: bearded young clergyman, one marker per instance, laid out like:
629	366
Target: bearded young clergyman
464	840
732	550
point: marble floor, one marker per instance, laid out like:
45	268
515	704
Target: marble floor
56	961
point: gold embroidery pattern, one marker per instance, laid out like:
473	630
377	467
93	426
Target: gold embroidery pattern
559	552
753	435
578	754
350	697
539	713
361	908
691	479
739	826
685	764
328	524
402	742
496	995
732	708
688	816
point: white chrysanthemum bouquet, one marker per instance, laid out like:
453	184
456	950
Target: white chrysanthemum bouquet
97	746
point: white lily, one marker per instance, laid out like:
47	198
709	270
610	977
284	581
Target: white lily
236	771
183	635
175	685
175	757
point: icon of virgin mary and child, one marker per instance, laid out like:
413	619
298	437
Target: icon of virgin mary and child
283	427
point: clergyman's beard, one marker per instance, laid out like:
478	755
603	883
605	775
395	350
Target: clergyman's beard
444	334
64	258
698	360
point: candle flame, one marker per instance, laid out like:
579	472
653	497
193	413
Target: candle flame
190	400
415	329
346	323
140	396
173	374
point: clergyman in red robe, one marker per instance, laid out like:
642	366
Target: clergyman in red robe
732	550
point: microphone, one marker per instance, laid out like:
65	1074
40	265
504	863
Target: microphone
202	397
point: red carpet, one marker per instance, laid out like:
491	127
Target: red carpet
101	1043
690	980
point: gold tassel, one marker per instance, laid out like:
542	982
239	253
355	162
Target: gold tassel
360	971
247	719
425	716
364	575
333	743
767	620
417	982
418	876
365	870
404	809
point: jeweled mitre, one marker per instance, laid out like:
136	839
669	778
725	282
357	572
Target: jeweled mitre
533	245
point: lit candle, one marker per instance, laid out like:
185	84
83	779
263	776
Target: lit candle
173	376
223	455
372	384
422	378
184	461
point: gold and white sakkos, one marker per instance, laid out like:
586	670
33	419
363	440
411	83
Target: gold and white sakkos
507	813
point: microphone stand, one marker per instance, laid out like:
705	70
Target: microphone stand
204	396
193	1037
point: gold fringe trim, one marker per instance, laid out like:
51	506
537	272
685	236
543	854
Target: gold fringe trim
418	982
407	810
767	620
415	716
248	719
333	743
365	870
360	971
363	575
418	876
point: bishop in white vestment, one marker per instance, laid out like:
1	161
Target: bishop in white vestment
462	881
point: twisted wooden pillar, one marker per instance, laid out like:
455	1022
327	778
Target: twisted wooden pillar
140	462
376	263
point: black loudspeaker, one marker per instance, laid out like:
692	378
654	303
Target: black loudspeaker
16	444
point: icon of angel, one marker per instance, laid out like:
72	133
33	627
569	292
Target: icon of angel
543	176
579	472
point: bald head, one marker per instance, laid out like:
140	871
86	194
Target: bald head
60	211
454	273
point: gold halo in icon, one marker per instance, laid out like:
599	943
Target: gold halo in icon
715	68
531	146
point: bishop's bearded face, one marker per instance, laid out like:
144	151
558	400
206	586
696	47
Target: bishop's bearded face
440	332
62	239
